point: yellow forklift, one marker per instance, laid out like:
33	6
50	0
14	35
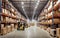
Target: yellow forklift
22	26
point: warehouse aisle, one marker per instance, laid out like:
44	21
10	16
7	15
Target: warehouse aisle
27	15
31	32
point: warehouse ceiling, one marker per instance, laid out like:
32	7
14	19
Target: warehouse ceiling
29	8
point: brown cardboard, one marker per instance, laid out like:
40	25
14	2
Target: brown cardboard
4	31
58	32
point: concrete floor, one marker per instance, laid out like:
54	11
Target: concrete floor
31	32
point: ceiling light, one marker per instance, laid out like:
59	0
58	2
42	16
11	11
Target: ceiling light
36	7
22	3
37	4
38	1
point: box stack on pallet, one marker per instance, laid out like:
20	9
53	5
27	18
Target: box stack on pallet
47	15
9	18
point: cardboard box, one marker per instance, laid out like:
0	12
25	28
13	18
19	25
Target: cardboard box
5	19
12	14
10	19
4	31
58	32
8	28
1	18
2	26
16	26
12	27
12	9
5	11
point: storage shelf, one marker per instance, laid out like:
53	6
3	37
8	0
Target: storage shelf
56	21
2	22
56	6
10	11
55	15
9	18
6	15
8	6
22	19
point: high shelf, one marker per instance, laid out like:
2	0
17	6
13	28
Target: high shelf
47	16
50	17
9	18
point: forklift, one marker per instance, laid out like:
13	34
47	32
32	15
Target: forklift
21	26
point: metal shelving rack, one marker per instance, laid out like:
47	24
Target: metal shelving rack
0	12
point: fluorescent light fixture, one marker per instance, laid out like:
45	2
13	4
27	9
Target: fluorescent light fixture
35	8
37	4
22	3
38	1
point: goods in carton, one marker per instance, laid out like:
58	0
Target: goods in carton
2	26
1	18
58	32
5	11
8	28
12	27
16	26
4	31
12	9
7	18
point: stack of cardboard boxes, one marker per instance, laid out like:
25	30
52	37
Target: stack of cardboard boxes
8	18
51	16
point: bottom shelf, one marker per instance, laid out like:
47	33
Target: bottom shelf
8	28
5	22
